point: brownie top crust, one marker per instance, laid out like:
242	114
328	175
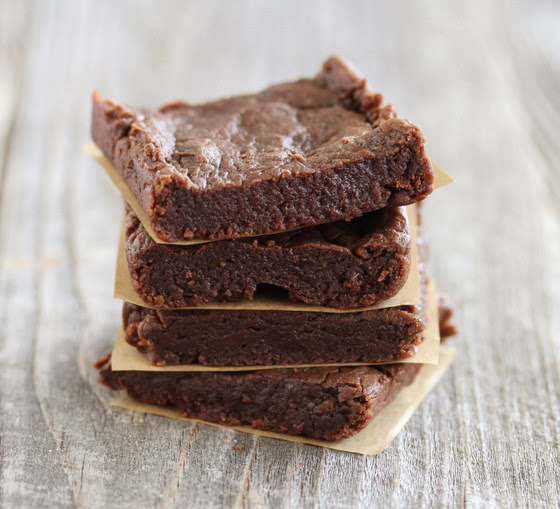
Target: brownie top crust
291	127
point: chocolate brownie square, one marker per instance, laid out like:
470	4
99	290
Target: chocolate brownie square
324	403
298	154
341	265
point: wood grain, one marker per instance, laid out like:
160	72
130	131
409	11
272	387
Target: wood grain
480	78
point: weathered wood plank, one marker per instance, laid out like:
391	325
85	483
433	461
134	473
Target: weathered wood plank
13	37
31	473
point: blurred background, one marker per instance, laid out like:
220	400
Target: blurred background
481	79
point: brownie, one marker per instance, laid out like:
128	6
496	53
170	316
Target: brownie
254	338
342	265
324	403
298	154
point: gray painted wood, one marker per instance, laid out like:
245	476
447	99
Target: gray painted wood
481	79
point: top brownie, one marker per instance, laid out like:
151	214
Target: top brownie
297	154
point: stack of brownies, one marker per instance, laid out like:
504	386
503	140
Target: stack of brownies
273	253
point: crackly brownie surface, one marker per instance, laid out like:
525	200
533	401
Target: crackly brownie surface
325	403
342	265
298	154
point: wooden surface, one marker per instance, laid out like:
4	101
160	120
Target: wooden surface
481	78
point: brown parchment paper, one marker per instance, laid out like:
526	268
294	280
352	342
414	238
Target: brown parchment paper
440	179
126	357
373	439
409	294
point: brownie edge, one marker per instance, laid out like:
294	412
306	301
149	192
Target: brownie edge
323	403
